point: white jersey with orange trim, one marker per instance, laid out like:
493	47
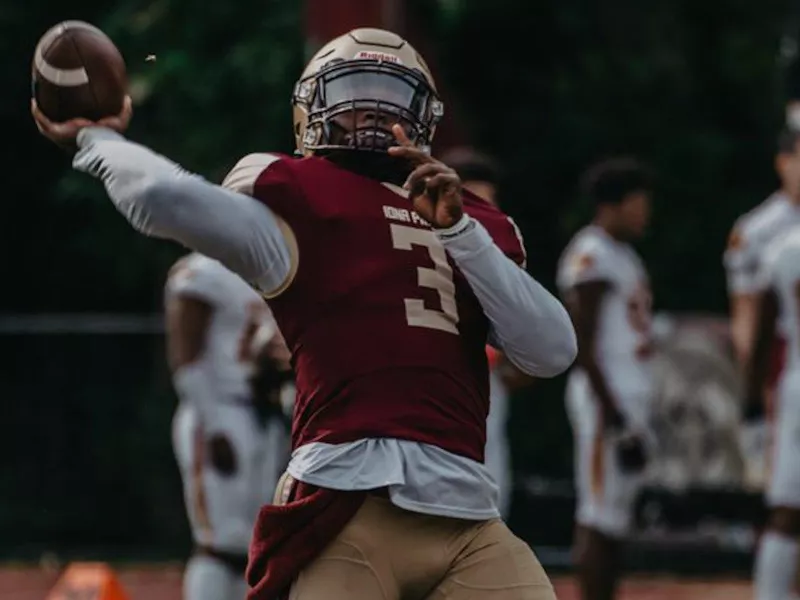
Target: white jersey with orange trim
779	271
606	493
750	236
623	339
222	507
239	318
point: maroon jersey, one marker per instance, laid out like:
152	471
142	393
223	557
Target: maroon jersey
388	339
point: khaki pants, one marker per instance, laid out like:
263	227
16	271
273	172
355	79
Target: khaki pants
386	553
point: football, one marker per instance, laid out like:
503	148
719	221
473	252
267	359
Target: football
78	72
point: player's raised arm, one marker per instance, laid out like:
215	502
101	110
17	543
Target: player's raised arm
528	322
161	199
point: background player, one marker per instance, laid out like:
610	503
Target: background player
229	366
779	278
607	291
751	233
480	175
386	293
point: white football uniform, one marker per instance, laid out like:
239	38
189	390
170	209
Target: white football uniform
780	271
606	494
222	508
750	235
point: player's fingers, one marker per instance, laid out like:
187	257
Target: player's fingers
421	172
56	131
38	124
403	152
67	131
444	182
42	122
127	110
401	136
119	122
406	148
410	153
442	186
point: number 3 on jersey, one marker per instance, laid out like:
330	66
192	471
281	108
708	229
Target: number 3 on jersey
439	278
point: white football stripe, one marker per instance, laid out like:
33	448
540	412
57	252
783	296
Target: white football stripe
61	77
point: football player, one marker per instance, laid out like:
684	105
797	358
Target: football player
480	175
386	279
779	278
606	288
751	233
229	437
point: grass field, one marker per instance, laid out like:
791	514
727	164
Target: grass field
163	582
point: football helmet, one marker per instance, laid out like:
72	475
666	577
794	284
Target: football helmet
368	73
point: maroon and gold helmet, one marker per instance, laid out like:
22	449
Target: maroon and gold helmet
365	70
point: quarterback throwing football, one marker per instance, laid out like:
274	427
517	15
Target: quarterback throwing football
386	280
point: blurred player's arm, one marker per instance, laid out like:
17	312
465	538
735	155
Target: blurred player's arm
758	363
744	314
188	316
741	266
528	323
272	368
160	199
187	323
584	302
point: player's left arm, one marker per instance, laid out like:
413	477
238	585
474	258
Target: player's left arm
188	320
529	323
272	369
190	301
758	363
742	272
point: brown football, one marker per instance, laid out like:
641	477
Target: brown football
78	72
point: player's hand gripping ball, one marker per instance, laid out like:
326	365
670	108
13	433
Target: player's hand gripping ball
79	79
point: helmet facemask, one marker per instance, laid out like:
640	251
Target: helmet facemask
352	105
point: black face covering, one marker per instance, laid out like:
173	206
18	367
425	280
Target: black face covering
375	165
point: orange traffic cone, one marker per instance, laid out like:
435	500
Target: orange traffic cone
92	581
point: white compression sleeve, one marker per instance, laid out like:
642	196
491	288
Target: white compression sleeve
529	323
160	199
